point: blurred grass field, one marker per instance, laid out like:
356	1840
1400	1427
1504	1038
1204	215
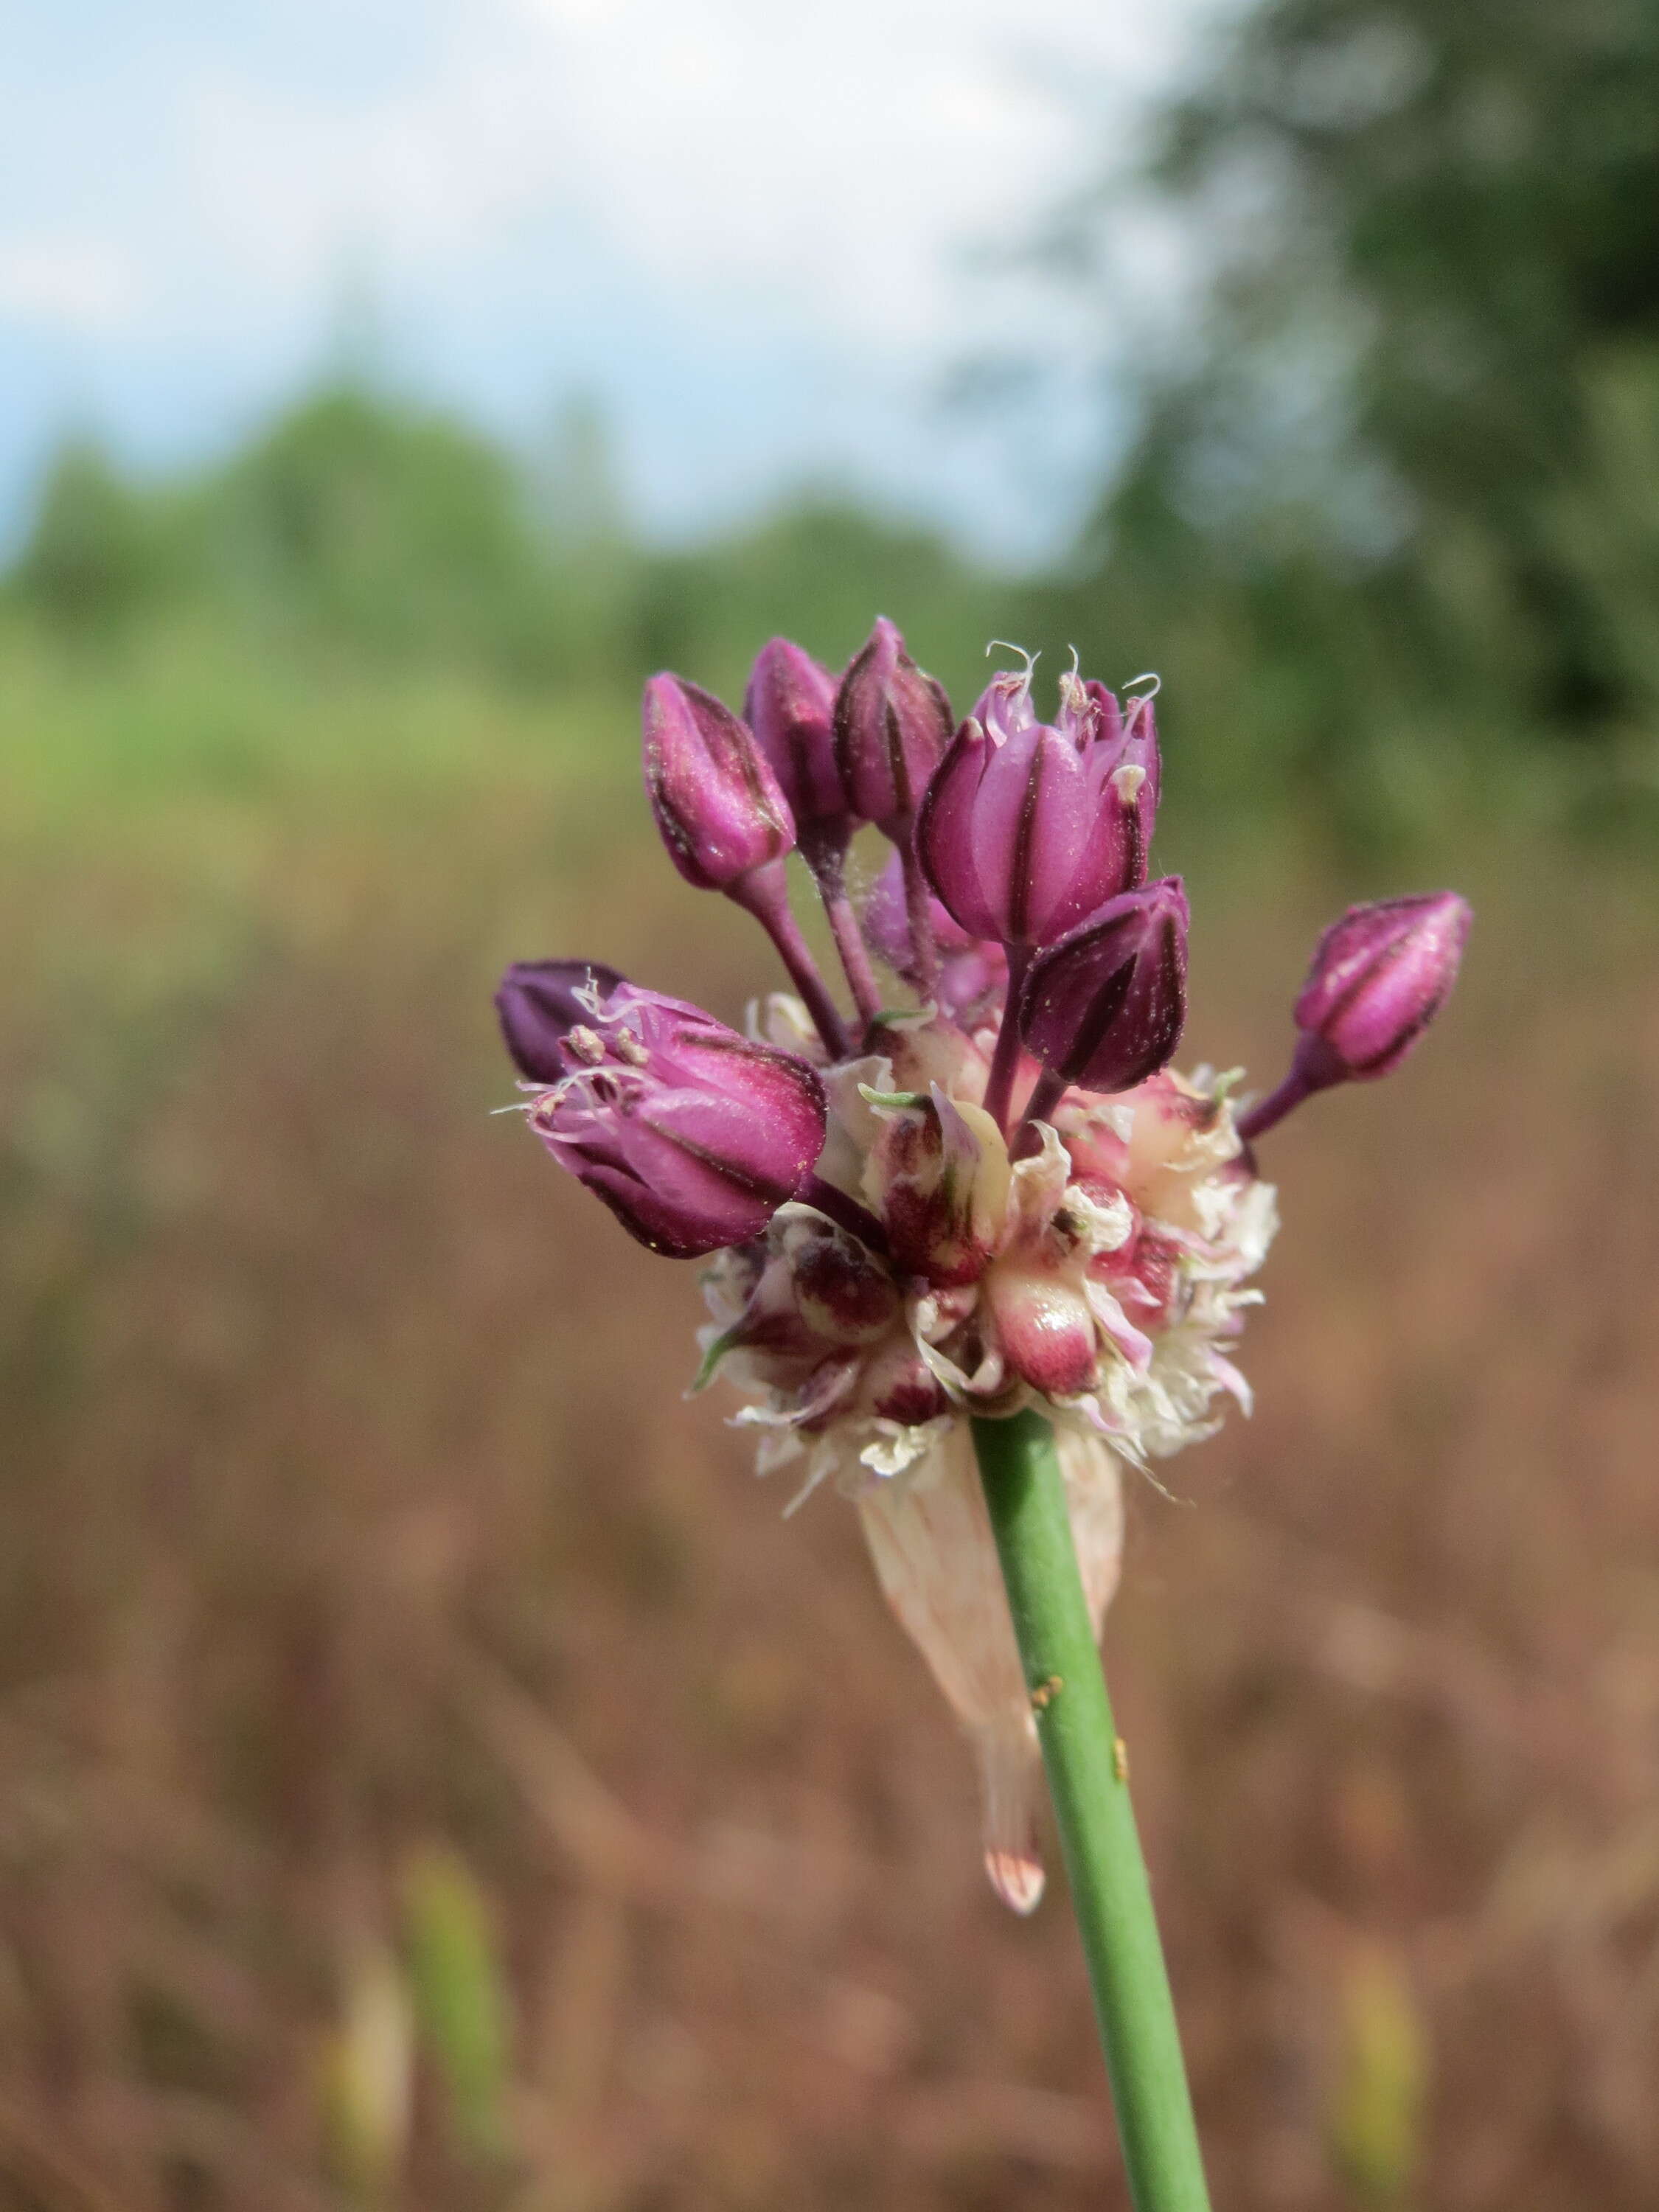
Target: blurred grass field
431	1773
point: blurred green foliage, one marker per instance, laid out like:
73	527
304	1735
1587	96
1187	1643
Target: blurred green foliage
98	549
1376	2120
1392	508
362	526
460	1993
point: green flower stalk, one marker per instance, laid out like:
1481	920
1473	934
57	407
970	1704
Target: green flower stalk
1088	1781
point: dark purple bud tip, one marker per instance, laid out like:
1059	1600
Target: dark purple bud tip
790	706
1378	978
539	1006
717	802
1104	1007
692	1134
893	723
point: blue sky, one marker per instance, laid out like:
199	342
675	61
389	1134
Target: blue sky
759	232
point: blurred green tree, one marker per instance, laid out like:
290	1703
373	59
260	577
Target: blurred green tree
92	558
361	524
1380	495
818	568
360	517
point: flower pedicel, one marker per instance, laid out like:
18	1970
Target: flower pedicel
1002	1197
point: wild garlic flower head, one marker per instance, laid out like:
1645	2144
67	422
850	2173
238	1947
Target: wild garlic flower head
995	1194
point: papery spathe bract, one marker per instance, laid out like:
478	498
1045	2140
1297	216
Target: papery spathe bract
930	1537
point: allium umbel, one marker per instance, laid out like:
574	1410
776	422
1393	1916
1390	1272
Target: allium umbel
999	1196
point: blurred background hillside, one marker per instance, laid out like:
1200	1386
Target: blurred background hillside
431	1774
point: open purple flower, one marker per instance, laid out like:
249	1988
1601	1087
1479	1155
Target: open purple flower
1028	827
692	1134
1137	775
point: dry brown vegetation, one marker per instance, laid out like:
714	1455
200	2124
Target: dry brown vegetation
356	1548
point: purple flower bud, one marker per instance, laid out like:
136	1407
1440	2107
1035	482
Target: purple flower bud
790	706
716	800
887	922
539	1003
971	974
1378	978
1105	1007
1027	827
692	1134
892	725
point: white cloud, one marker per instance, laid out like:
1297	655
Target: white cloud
67	283
752	221
825	168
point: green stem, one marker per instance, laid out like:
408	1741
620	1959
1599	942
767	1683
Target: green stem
1087	1779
